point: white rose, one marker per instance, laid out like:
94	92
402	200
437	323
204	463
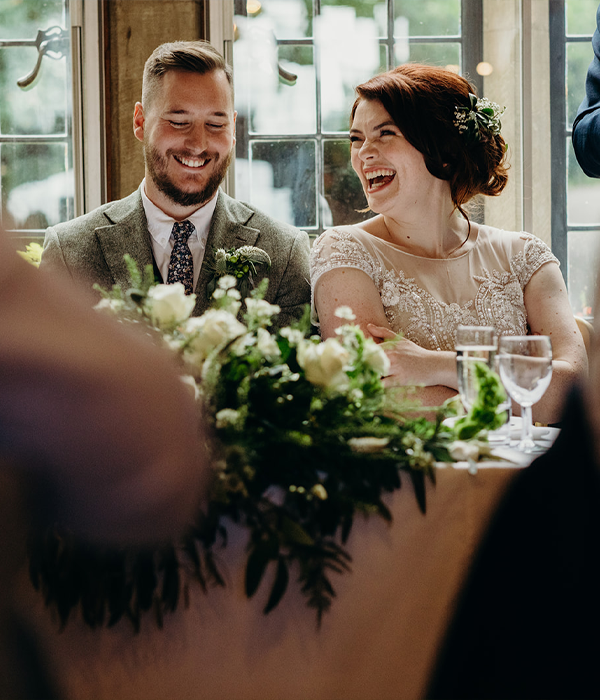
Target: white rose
324	362
266	344
375	357
243	344
169	304
206	332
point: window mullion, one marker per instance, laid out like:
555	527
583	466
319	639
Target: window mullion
558	116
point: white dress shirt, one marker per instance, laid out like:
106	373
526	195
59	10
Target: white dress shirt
160	226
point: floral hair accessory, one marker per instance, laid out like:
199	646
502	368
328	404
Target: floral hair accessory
239	263
480	120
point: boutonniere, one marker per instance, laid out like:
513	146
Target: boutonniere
239	263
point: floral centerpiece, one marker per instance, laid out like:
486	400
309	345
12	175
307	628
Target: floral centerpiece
307	439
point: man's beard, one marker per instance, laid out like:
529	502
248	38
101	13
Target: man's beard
157	169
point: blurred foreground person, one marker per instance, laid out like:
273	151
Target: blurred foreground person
96	431
586	126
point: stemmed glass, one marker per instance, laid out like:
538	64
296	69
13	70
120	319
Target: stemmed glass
479	344
525	363
473	344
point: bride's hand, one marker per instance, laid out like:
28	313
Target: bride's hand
408	361
412	364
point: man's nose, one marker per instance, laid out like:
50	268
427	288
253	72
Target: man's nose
197	139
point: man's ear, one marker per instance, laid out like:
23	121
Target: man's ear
234	121
139	121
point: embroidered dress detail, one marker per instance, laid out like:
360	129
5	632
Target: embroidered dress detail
426	299
181	264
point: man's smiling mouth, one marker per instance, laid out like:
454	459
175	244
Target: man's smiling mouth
379	178
191	162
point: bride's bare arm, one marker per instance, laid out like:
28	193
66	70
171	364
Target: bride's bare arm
410	363
549	313
348	287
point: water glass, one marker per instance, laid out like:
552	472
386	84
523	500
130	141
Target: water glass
526	370
473	344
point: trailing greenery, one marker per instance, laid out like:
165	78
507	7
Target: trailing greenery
307	440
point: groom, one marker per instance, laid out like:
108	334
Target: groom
179	215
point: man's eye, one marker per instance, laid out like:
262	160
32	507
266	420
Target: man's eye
217	126
178	124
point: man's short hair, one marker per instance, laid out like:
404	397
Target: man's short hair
193	56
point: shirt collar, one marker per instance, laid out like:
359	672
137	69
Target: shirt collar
160	225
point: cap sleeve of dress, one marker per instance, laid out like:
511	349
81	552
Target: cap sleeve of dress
341	247
528	261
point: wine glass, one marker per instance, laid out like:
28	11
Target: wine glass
525	363
473	344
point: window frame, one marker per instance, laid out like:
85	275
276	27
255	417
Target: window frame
220	15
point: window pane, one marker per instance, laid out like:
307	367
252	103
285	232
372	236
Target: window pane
436	54
374	11
350	54
37	185
579	57
583	250
21	19
430	17
286	19
275	87
43	108
583	194
581	16
343	190
282	177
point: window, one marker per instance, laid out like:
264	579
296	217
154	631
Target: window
42	150
296	63
575	197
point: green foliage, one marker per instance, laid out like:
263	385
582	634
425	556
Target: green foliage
482	415
307	438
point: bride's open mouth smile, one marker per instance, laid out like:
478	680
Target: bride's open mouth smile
377	179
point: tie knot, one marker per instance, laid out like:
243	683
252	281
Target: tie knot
182	230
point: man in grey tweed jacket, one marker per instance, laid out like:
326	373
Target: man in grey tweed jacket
186	122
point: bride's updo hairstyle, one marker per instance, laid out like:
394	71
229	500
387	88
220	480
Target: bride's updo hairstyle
433	108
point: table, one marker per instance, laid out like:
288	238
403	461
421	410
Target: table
379	640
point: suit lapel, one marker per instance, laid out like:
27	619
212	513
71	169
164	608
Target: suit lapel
228	229
126	232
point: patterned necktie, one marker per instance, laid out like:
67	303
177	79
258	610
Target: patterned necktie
181	264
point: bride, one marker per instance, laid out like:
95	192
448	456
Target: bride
423	145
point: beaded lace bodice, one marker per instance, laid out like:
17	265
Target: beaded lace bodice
427	298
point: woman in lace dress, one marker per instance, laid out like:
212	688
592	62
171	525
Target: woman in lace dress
422	146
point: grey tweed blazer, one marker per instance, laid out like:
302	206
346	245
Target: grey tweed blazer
91	249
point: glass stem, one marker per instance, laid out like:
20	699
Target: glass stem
527	426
